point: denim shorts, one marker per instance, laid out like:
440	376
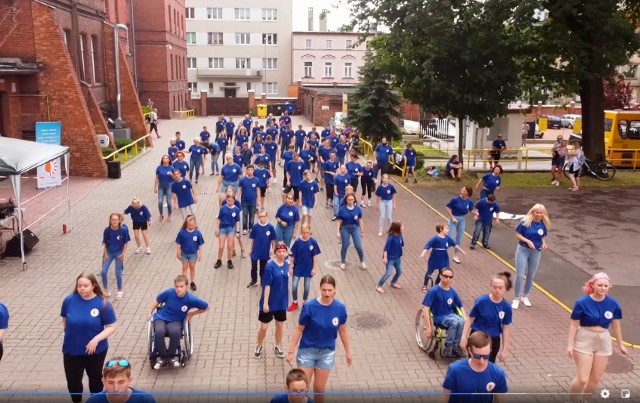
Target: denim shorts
321	358
189	257
307	210
228	231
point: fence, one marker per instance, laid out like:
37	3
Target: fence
624	157
125	149
186	114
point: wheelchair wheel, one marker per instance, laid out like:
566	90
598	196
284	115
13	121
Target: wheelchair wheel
427	344
150	338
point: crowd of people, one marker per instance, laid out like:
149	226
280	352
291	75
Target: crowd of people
253	160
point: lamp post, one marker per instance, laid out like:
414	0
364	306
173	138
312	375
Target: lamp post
116	47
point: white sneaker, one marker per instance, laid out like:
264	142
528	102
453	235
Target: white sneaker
175	362
139	250
557	183
368	204
343	266
363	266
362	204
148	251
515	304
553	182
158	364
379	233
119	295
526	301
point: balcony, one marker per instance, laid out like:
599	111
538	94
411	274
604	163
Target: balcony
228	73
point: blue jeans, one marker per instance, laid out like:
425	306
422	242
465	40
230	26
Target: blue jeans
352	231
215	168
226	184
391	264
174	331
111	256
485	193
294	287
340	160
164	191
454	324
196	164
337	203
284	234
386	212
456	231
527	262
485	228
248	215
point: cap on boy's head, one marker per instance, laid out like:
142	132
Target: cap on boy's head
281	246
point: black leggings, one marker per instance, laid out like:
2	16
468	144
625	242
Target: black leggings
254	269
495	348
1	351
367	187
74	369
330	189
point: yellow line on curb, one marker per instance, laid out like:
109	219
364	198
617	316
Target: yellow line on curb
504	262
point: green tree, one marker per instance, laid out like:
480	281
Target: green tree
373	108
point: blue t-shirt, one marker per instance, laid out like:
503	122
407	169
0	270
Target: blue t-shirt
205	136
442	302
271	149
277	278
321	324
214	149
220	125
286	118
284	398
490	317
367	175
294	171
263	176
313	145
387	192
230	126
596	313
85	319
272	131
229	216
164	174
288	214
249	188
222	143
439	257
175	308
498	144
303	253
183	193
330	166
285	138
383	152
300	136
241	139
393	246
141	215
256	146
308	191
324	152
534	233
411	156
490	182
334	141
238	159
183	167
341	149
189	242
231	173
325	133
115	239
263	236
486	210
461	378
181	144
341	183
247	124
353	169
460	207
286	157
197	152
4	317
262	159
350	216
306	157
137	396
172	151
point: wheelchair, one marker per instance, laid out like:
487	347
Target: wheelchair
186	343
433	279
434	344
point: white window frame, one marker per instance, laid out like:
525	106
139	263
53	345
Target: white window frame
190	13
214	13
308	69
270	63
269	14
216	63
93	60
349	44
191	38
348	70
213	35
193	87
328	43
328	68
192	63
243	38
307	43
242	14
270	39
271	88
243	63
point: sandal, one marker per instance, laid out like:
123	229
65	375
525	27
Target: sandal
424	288
380	290
169	219
396	286
456	259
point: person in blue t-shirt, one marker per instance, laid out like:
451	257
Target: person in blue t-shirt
197	153
383	151
341	180
297	386
325	133
246	123
307	156
497	147
531	234
444	304
411	157
386	202
205	135
256	145
238	158
392	256
321	321
453	168
349	226
483	214
261	156
230	129
88	320
274	299
262	242
227	229
294	170
457	209
184	197
308	189
214	151
247	155
141	218
248	193
341	149
439	257
354	169
230	174
492	314
367	181
222	142
220	125
162	186
115	240
169	319
324	152
181	164
300	136
329	171
189	248
180	143
490	182
475	380
286	156
242	137
304	264
271	147
333	139
590	343
4	324
117	379
264	177
288	221
173	149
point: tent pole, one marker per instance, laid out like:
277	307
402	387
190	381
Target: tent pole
16	182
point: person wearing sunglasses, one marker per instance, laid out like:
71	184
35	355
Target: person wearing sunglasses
475	380
117	379
4	324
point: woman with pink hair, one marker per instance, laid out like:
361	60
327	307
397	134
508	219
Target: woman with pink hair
589	338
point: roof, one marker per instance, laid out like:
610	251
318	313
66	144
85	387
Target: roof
333	33
330	90
15	66
19	156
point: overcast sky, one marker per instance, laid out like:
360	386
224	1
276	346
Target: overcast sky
336	17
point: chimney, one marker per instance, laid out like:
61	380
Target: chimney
323	20
310	19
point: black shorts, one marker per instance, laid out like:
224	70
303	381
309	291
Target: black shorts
279	316
495	155
140	225
263	191
296	191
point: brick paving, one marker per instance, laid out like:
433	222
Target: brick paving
385	359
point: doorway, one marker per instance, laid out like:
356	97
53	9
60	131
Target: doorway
229	92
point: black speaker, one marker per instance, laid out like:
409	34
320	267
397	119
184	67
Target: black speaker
113	170
13	246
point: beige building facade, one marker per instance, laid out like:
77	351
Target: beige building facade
232	50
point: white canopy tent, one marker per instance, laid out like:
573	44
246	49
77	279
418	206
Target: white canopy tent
20	156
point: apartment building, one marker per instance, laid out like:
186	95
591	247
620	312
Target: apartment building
233	50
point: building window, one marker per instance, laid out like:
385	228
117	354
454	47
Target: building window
192	63
269	14
248	86
193	87
190	13
307	44
216	63
328	69
308	69
349	44
67	37
269	39
92	58
348	70
214	13
328	43
270	63
210	88
243	13
243	63
243	39
191	38
83	75
271	88
97	59
215	38
172	66
169	12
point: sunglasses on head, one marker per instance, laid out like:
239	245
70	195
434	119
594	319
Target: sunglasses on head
479	356
446	276
120	363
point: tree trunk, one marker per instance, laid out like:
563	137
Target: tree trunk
460	137
592	99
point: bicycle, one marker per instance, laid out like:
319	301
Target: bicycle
603	170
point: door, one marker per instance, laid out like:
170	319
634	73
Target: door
229	92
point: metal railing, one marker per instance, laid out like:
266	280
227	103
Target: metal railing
186	114
402	169
623	158
367	148
126	151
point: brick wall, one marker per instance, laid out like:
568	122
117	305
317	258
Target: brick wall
99	124
16	36
131	108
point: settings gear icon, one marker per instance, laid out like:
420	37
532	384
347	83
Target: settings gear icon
604	393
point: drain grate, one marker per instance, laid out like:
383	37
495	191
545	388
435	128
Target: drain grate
368	321
619	365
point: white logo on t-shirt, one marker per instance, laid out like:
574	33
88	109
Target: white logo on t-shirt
490	208
94	312
234	170
490	386
169	173
355	217
118	237
608	314
233	214
268	233
335	321
498	182
310	247
290	213
540	231
184	308
195	238
446	244
253	185
501	314
311	188
299	167
184	186
389	191
141	213
450	301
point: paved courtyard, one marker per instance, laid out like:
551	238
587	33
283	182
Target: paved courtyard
386	358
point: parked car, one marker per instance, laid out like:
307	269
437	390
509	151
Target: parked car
553	122
568	120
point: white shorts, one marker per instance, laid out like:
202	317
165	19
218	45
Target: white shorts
307	210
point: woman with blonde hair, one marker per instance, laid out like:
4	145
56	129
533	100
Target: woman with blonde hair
531	233
576	160
589	341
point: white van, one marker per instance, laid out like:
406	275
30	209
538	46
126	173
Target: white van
568	120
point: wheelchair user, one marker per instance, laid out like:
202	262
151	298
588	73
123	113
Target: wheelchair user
170	318
443	301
